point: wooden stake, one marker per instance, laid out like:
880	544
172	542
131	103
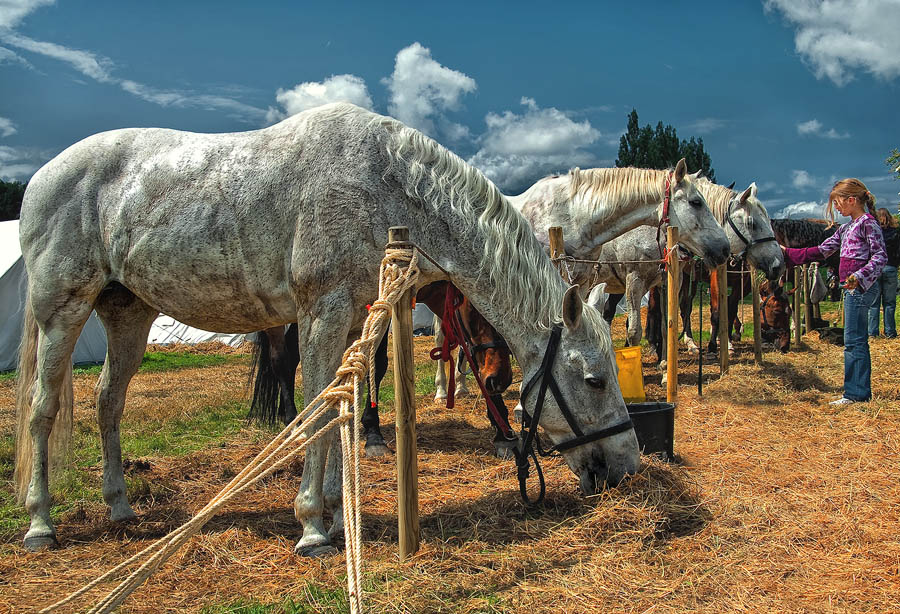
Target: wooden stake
722	276
807	306
673	284
798	295
557	249
405	412
757	321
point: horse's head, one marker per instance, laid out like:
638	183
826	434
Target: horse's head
748	228
583	413
489	350
775	313
698	229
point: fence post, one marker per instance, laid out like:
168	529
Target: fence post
405	414
798	295
673	283
757	332
557	249
722	278
807	306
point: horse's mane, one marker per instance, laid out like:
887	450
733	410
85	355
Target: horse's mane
593	186
719	199
512	257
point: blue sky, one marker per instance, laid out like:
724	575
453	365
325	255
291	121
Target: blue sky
792	94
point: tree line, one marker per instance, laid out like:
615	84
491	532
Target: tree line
11	193
661	148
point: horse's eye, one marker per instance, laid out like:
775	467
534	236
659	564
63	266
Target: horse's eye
696	202
595	382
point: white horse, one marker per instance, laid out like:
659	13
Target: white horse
749	232
246	231
594	206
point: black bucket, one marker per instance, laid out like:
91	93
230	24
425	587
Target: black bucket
654	425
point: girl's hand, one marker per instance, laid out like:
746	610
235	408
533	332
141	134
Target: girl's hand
852	283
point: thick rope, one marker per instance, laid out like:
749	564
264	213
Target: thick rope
399	272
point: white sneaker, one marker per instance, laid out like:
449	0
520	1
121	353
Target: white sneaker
843	401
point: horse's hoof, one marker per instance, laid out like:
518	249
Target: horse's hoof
504	450
122	514
35	543
462	394
375	450
440	397
315	552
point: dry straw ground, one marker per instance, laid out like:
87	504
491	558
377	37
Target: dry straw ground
781	503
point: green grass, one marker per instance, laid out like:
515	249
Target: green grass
81	482
154	362
315	600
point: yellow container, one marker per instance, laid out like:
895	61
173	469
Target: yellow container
631	377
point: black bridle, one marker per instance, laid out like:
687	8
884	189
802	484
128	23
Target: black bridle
543	379
747	243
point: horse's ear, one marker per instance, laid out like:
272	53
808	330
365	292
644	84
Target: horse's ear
571	308
745	195
731	187
597	297
697	175
680	170
753	189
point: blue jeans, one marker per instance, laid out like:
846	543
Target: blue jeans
886	297
857	363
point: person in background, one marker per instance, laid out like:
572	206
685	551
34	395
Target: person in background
862	259
887	281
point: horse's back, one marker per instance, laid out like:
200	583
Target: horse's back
182	218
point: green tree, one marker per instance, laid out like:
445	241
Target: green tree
646	147
893	161
11	193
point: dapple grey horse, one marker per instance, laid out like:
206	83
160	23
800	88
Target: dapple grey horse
247	231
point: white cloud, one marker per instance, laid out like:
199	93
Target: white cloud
100	68
706	125
19	164
13	11
337	88
803	209
839	37
517	149
8	56
422	91
814	128
7	127
802	179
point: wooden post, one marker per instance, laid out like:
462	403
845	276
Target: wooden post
405	412
798	295
722	278
673	284
557	249
807	306
757	332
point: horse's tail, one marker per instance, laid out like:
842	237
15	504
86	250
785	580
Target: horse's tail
61	431
265	402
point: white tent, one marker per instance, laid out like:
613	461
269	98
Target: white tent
91	346
167	330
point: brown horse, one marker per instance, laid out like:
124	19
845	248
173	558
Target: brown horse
276	358
775	315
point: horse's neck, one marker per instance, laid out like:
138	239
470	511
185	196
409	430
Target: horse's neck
586	227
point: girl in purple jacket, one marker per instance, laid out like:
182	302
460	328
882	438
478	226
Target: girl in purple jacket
862	259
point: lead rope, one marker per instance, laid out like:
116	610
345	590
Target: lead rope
295	437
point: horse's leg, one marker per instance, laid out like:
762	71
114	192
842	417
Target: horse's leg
733	300
635	288
323	337
58	321
375	445
460	365
127	320
686	305
440	376
713	346
609	308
